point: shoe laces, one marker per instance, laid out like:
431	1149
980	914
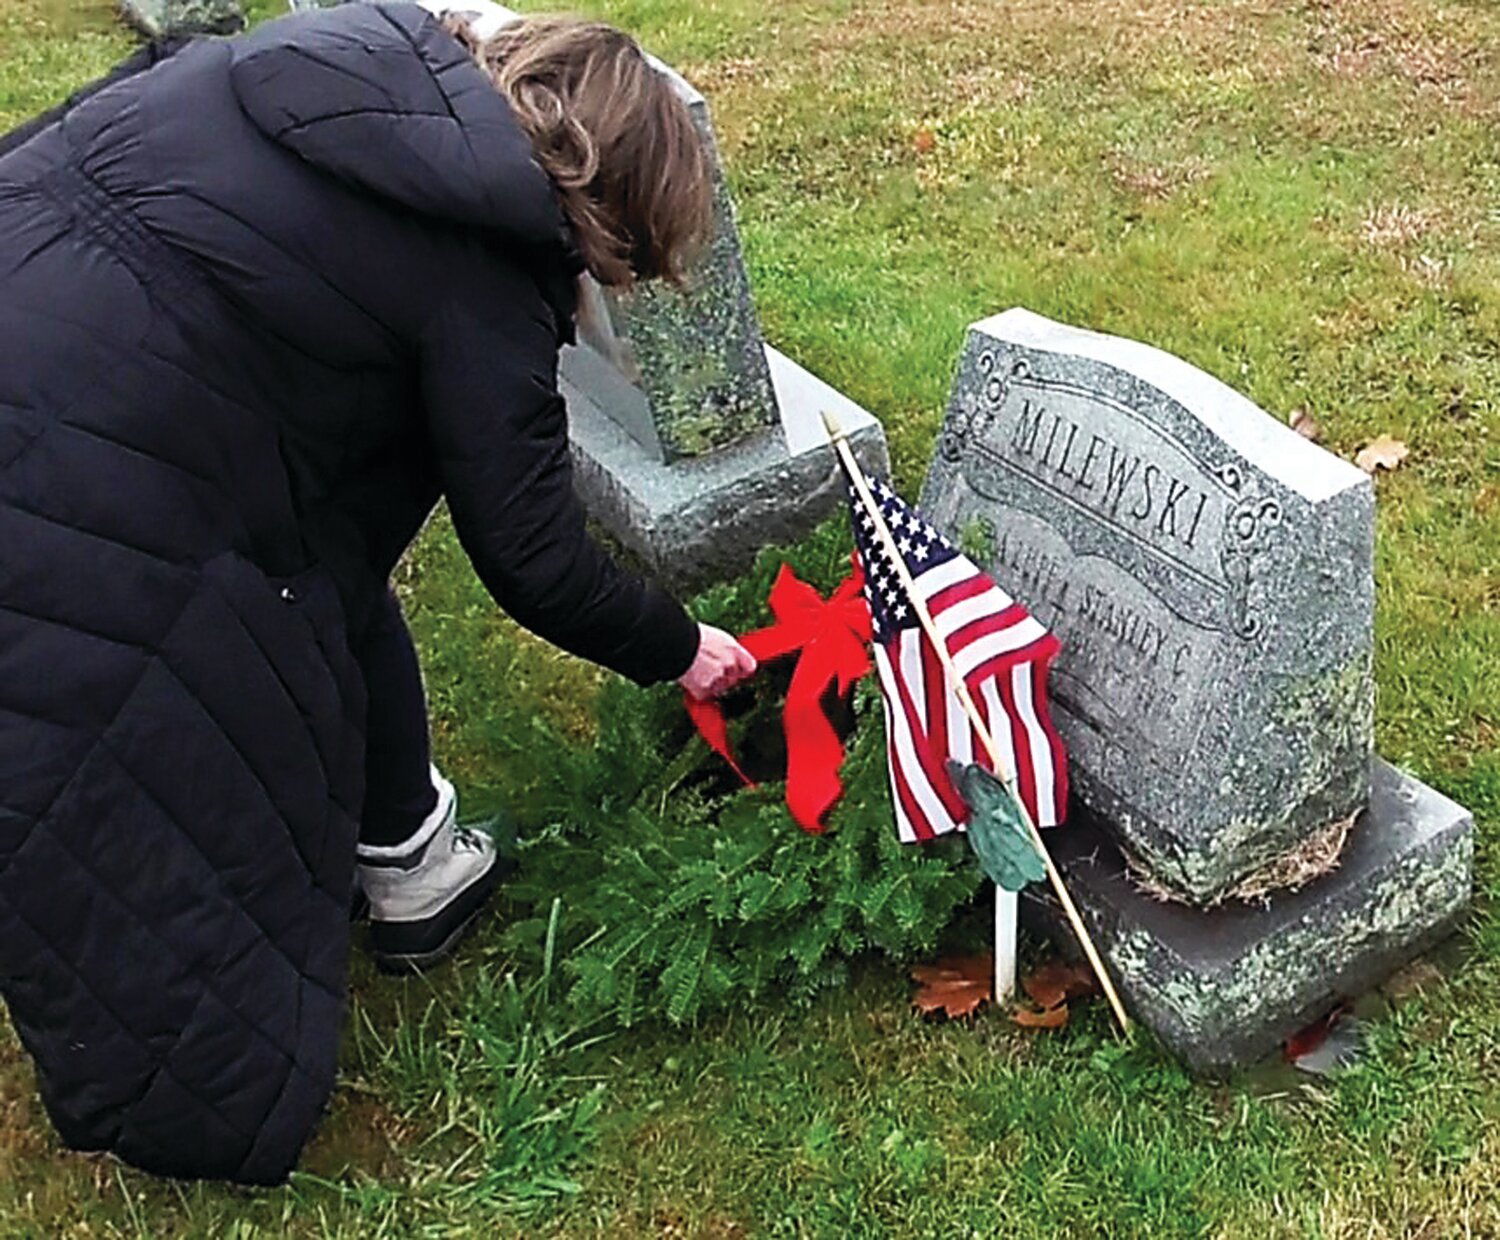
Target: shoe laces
467	839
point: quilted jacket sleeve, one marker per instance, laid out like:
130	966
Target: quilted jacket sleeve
499	430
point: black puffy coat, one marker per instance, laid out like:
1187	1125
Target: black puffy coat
260	305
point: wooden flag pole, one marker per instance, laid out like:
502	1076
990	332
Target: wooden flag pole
961	689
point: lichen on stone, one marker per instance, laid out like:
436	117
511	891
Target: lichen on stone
156	18
699	349
1326	719
977	540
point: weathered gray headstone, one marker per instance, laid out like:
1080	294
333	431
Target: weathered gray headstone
696	354
158	18
1208	571
697	443
1210	576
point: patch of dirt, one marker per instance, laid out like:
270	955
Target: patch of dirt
1421	974
1155	181
1360	38
362	1133
1397	225
1400	229
714	76
669	1222
1483	734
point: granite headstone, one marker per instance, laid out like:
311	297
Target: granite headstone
1225	986
1208	571
697	443
696	354
1210	575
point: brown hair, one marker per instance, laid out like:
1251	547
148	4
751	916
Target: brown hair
614	136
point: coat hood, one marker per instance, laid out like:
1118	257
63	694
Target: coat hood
383	97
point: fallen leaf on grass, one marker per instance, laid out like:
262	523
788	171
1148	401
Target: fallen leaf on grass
955	986
1057	981
1305	425
1050	1018
1383	452
1050	986
924	141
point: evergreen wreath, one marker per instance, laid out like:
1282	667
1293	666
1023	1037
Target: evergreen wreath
685	892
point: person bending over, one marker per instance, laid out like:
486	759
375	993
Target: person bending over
263	302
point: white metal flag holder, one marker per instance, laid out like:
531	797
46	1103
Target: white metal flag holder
1007	919
1007	903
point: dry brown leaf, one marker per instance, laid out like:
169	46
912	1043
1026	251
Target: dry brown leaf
1050	1018
956	985
1057	981
1050	985
924	141
1305	425
1382	452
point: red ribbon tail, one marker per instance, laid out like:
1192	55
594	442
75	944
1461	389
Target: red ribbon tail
813	749
708	718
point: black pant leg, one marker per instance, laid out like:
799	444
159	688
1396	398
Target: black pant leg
398	784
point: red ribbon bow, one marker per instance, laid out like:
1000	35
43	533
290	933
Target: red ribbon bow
834	638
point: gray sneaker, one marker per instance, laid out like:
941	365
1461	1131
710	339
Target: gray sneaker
426	891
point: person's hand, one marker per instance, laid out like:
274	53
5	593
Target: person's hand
720	665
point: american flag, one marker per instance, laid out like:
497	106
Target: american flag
1001	651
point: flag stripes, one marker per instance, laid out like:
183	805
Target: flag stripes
1000	650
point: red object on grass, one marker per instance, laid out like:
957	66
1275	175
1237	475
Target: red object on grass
1310	1038
833	636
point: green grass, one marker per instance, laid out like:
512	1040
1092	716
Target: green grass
1302	199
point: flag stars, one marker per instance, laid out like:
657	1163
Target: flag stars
915	547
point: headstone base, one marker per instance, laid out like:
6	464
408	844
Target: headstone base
706	518
1223	987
